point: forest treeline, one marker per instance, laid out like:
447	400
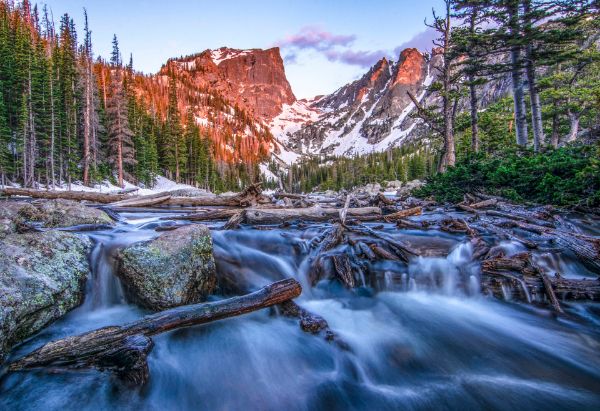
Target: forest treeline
67	116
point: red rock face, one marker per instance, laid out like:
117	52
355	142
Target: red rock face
253	79
410	67
258	80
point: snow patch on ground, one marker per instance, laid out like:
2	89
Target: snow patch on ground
162	184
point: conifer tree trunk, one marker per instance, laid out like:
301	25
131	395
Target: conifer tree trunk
517	76
449	153
52	130
474	115
534	96
555	124
473	92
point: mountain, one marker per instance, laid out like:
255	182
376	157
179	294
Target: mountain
231	93
369	114
245	103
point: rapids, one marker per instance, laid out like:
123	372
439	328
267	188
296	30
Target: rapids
409	346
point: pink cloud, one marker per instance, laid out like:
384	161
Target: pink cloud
312	37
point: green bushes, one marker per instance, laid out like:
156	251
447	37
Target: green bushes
563	177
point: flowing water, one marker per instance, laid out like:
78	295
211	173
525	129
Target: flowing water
418	336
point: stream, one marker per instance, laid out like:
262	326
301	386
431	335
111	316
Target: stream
408	346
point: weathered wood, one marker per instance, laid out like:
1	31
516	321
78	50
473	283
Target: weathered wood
102	198
585	247
484	203
550	293
366	250
123	349
520	271
309	322
383	253
393	216
142	201
281	215
234	221
219	214
250	196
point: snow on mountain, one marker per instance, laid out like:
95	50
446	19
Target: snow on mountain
369	114
224	53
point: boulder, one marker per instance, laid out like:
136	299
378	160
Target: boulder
50	213
176	268
409	187
393	185
371	189
42	277
67	213
13	214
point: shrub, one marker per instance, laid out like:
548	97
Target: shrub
564	177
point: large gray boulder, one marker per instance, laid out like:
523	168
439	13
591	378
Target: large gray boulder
50	213
176	268
67	213
42	277
409	187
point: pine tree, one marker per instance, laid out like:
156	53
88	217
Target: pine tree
121	150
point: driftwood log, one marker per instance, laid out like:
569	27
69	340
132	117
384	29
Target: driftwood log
143	201
103	198
519	272
124	349
250	196
283	215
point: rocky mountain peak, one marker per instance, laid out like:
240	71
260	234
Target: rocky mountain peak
410	67
254	79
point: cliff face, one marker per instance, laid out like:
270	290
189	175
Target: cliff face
258	80
231	93
253	79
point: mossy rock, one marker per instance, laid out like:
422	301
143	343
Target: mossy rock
50	213
67	213
42	277
176	268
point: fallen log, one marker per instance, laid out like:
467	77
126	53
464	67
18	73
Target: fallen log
220	214
519	271
309	322
103	198
484	203
142	201
257	215
249	197
383	253
585	247
393	216
281	215
124	349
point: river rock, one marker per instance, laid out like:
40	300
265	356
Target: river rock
50	213
42	277
370	189
67	213
409	187
13	214
393	185
176	268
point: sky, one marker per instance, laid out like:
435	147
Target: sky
325	44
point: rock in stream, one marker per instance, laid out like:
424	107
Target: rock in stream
176	268
42	277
